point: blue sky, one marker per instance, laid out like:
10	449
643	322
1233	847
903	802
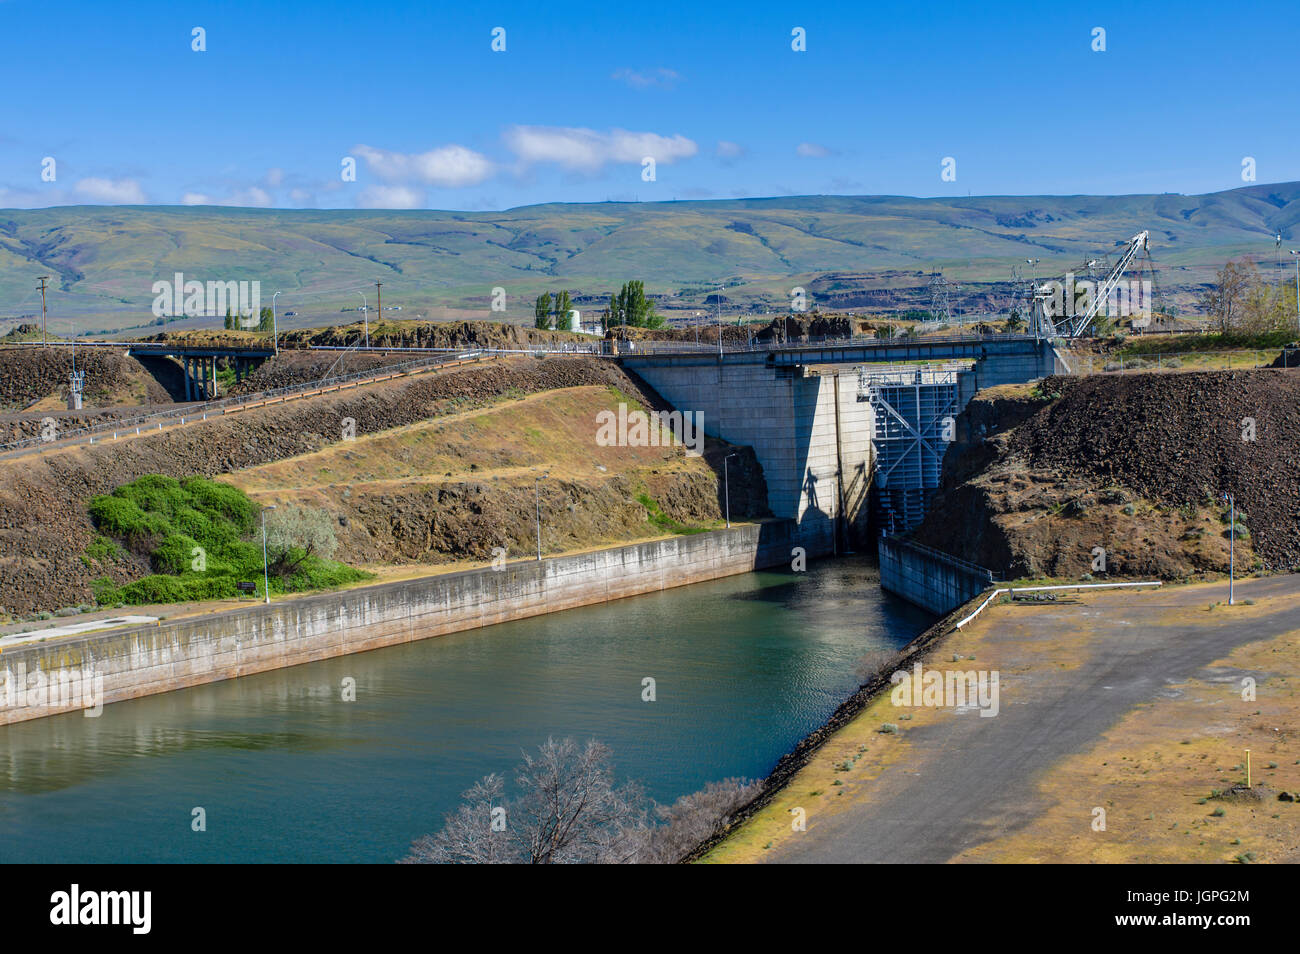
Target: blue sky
1013	92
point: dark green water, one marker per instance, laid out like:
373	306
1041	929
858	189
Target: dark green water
286	771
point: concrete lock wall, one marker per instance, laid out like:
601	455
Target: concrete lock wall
789	419
187	652
929	579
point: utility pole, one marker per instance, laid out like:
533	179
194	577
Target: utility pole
44	339
379	300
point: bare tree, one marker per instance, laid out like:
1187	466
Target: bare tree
695	819
467	836
1225	301
571	811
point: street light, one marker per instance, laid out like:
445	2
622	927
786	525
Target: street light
1296	253
365	316
266	576
1232	538
275	344
537	500
726	486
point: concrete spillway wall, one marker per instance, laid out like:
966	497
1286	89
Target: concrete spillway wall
928	578
810	432
40	679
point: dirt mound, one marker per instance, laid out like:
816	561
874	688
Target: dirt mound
30	375
705	334
430	334
1123	476
1184	439
792	328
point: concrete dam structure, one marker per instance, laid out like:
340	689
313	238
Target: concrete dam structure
830	422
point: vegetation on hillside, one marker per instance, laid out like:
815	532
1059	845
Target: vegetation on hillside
200	538
1241	302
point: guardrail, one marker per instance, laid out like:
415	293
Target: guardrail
235	405
1068	586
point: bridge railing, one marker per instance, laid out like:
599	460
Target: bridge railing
201	409
640	347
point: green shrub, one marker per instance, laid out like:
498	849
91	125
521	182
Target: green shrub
168	519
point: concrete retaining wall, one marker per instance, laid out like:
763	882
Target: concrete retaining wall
187	652
789	418
930	579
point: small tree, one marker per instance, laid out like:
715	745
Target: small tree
293	534
542	311
1225	300
562	305
632	307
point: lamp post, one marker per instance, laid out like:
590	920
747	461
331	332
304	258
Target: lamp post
275	340
365	316
266	576
1296	253
537	500
726	487
1232	539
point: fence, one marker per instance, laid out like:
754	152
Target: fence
200	411
1177	361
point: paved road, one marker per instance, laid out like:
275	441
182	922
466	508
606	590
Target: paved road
971	779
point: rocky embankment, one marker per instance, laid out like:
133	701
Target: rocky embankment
44	528
31	375
1132	465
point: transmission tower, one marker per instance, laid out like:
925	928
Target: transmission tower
940	298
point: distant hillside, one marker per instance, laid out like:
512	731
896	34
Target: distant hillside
858	252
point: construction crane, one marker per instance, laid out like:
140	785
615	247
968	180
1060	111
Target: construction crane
1075	326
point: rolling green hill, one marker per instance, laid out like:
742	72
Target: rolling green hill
849	251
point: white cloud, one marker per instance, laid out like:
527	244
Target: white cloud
447	166
111	191
275	177
390	197
252	197
587	150
729	150
811	150
643	79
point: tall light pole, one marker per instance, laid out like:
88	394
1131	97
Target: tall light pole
1296	253
275	343
726	487
266	575
537	500
1232	539
365	316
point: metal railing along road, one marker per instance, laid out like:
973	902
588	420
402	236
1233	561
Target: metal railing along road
201	410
